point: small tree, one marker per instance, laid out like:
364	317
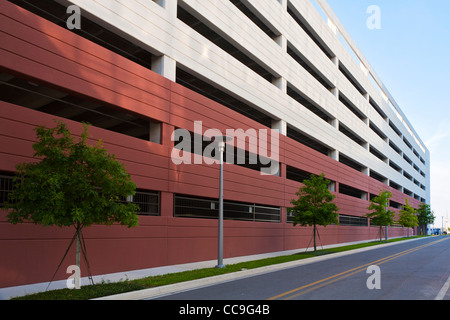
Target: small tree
314	205
73	184
407	216
425	216
381	216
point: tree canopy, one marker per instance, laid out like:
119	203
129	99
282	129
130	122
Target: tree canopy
381	215
314	204
425	216
73	183
407	216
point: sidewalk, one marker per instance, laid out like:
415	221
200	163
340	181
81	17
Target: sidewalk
7	293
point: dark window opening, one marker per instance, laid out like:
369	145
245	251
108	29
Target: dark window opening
395	204
377	176
308	67
395	185
395	166
407	175
393	127
222	43
377	108
377	131
407	192
308	104
148	202
377	154
345	220
206	208
232	155
408	144
394	147
307	141
407	159
255	19
351	135
351	163
309	31
202	87
6	186
346	102
297	174
111	40
352	192
59	103
351	79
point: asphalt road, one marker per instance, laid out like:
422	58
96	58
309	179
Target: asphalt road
413	270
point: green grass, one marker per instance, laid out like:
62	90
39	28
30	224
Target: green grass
111	288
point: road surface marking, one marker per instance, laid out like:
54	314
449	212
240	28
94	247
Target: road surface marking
443	291
318	284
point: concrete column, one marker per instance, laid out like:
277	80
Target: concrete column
334	154
155	132
165	66
280	83
280	125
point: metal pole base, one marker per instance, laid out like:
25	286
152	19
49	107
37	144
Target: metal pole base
220	266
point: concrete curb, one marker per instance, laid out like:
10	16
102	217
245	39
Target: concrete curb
152	293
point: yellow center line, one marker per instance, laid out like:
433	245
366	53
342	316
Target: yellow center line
318	284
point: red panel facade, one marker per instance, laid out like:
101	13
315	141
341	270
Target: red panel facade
35	49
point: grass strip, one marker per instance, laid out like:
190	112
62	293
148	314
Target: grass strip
110	288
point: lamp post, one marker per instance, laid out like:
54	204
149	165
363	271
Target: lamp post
221	140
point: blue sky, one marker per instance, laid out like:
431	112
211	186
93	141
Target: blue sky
411	55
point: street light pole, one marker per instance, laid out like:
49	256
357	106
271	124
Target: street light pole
220	242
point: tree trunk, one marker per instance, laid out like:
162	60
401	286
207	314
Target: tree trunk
315	247
77	259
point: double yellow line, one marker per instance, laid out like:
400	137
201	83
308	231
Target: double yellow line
324	282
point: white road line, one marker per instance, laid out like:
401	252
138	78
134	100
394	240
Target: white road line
444	289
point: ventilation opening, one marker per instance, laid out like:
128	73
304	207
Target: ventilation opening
206	208
352	192
307	141
297	174
307	103
202	87
378	154
395	185
222	43
407	192
378	176
232	154
59	103
377	131
264	26
111	40
395	204
393	127
346	102
351	135
345	220
377	108
395	166
301	60
351	163
394	147
351	79
309	30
